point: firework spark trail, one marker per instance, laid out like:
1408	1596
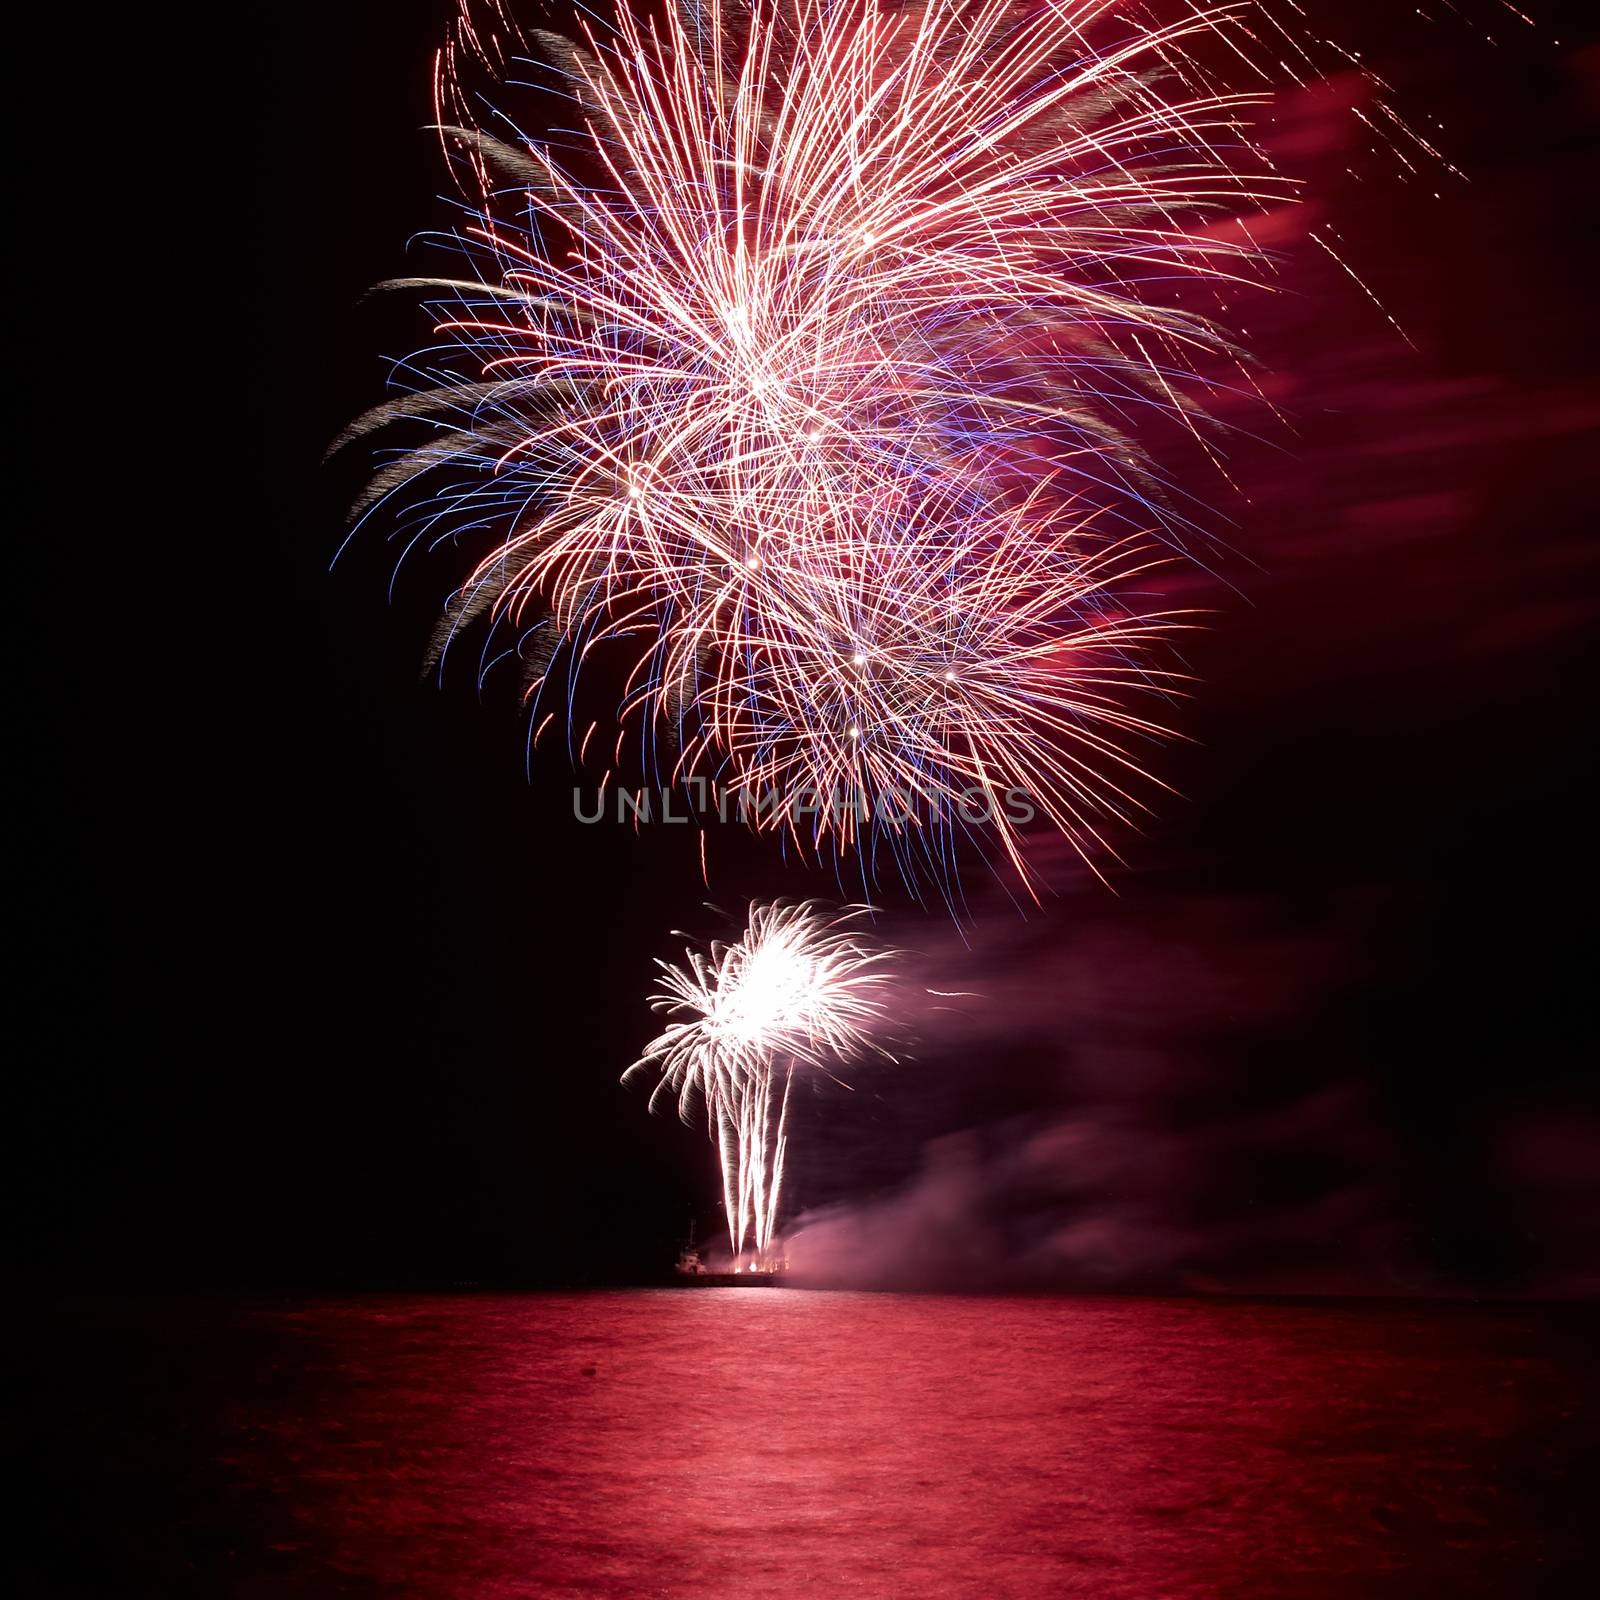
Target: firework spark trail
802	376
798	991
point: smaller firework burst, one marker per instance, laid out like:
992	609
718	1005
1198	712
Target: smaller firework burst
802	989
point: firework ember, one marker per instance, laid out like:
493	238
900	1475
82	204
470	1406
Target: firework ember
800	380
799	991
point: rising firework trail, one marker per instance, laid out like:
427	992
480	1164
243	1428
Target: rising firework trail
800	991
796	384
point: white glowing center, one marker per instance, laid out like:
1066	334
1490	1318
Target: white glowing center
776	992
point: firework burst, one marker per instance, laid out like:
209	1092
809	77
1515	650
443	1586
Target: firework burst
802	376
798	991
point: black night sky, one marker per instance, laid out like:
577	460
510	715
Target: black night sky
330	994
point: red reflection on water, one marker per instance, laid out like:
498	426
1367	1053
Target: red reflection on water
726	1443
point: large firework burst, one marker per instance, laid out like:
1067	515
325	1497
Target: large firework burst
801	375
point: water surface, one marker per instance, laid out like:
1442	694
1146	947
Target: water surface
733	1443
